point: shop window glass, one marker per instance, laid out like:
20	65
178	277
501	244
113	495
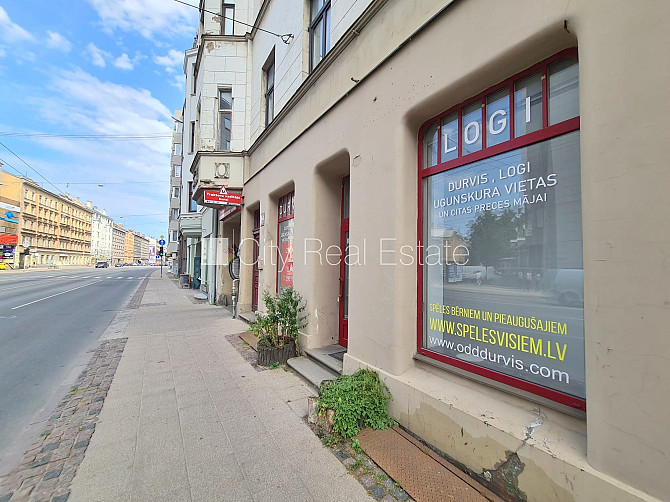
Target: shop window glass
497	117
472	128
528	104
563	91
449	137
430	146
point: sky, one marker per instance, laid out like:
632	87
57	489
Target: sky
100	68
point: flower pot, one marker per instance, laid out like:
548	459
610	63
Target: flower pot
270	355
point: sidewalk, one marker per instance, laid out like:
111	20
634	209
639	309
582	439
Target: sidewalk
187	418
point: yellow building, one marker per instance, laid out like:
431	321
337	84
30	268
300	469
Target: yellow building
55	229
129	247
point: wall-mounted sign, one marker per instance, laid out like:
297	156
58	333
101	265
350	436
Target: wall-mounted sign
222	197
9	239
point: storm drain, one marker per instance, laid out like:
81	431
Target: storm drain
418	471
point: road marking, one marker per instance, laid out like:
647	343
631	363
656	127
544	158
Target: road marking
129	277
109	277
51	296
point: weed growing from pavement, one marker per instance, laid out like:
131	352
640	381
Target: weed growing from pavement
359	400
274	365
356	446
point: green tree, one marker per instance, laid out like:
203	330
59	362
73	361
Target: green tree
490	236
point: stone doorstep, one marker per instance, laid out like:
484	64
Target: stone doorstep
322	355
311	371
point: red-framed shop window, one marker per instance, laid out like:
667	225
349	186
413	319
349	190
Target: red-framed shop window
500	239
285	230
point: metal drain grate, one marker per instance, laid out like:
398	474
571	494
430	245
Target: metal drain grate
423	477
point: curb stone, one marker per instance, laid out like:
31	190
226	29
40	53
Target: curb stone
48	467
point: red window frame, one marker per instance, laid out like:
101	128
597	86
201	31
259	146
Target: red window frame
544	133
285	211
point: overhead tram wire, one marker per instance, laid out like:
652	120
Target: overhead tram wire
32	168
284	38
87	136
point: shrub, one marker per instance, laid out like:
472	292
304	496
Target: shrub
359	400
283	319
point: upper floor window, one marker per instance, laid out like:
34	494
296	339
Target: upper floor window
175	214
177	171
227	19
270	92
175	192
319	31
194	78
225	118
192	205
178	126
177	149
192	136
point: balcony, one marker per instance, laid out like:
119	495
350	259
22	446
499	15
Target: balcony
212	170
190	225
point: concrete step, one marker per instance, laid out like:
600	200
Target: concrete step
311	371
249	317
324	356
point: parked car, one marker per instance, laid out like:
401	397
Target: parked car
119	264
102	264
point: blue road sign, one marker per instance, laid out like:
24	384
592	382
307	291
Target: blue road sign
161	242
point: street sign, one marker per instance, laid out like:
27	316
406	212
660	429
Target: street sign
161	242
222	197
9	239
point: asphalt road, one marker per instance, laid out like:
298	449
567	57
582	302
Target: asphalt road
49	322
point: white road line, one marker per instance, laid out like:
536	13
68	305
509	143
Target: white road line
109	277
51	296
119	277
129	277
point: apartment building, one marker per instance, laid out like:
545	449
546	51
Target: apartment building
190	216
118	244
56	229
129	246
457	189
101	234
172	248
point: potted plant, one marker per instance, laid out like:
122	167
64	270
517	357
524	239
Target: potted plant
278	329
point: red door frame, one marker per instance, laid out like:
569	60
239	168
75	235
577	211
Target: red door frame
285	211
255	276
342	298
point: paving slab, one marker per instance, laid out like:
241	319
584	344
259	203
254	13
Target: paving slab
203	422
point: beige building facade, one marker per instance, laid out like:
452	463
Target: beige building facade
55	228
524	135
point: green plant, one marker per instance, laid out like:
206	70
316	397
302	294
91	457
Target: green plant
274	365
356	446
283	320
330	440
358	400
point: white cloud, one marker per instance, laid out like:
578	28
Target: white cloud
76	102
97	55
2	52
123	62
57	41
11	32
170	61
149	17
178	82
